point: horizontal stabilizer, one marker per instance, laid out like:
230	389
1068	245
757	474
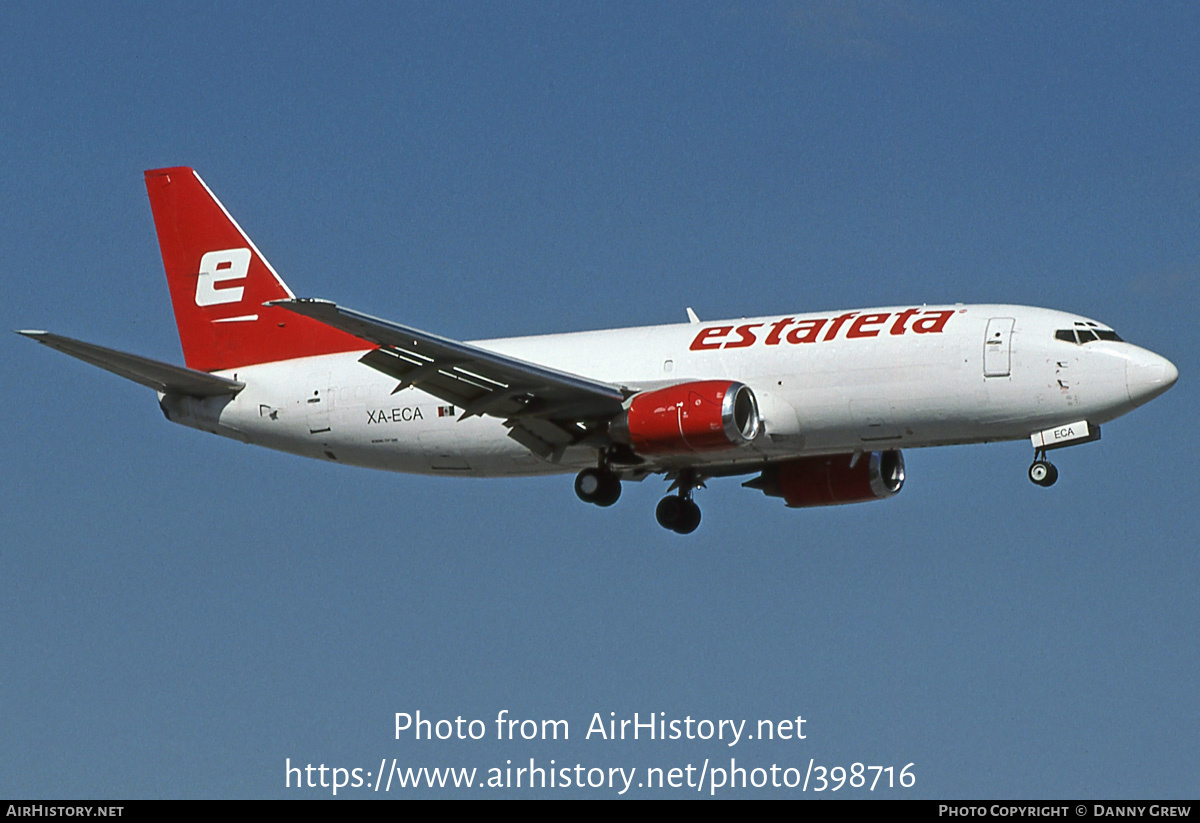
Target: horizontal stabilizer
162	377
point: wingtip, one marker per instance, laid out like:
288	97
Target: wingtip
31	332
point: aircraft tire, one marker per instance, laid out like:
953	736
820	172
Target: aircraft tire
1051	475
1043	473
588	484
669	510
609	491
689	518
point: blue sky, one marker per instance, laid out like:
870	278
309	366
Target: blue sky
179	614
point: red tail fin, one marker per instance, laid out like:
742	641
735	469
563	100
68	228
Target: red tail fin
219	282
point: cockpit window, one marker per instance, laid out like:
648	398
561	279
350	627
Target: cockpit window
1083	334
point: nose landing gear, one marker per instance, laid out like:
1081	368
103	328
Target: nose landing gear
1042	472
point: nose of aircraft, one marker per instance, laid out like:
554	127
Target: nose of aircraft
1147	376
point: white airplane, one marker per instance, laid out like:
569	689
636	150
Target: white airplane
816	406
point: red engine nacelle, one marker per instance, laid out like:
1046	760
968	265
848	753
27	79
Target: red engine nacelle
706	415
833	479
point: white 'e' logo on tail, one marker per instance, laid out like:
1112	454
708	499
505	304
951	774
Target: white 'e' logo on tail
217	267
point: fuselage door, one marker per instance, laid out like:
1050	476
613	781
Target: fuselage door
997	347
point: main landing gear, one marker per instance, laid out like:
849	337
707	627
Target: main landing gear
600	486
678	512
1042	472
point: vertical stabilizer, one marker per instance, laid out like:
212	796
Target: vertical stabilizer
219	282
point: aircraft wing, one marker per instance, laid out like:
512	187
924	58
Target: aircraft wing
160	376
544	409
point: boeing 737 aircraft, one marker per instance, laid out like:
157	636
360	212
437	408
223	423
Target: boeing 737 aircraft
815	406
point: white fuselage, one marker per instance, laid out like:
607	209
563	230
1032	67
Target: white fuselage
858	381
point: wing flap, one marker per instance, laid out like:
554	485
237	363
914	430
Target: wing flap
155	374
532	442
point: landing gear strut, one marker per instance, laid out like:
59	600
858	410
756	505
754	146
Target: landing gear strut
678	512
600	486
1042	472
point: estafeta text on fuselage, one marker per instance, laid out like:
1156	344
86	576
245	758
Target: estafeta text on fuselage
850	325
658	727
